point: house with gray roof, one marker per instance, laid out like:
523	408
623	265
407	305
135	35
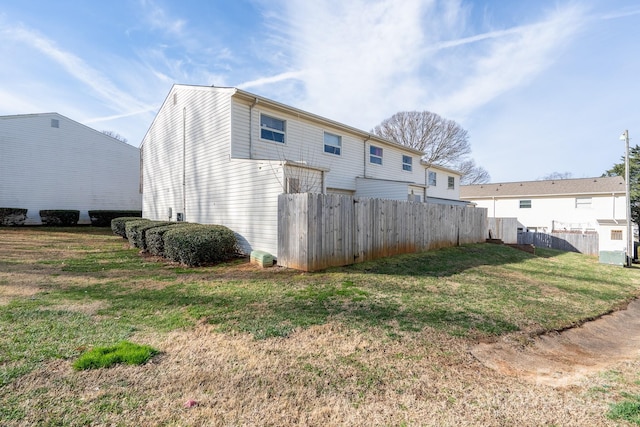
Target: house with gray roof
568	205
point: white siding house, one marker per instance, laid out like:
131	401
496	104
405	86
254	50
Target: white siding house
222	155
48	161
567	205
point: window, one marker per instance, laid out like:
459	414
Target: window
525	204
432	179
293	185
616	234
451	182
583	202
55	123
375	155
407	163
272	129
332	143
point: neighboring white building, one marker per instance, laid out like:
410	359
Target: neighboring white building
222	155
574	205
48	161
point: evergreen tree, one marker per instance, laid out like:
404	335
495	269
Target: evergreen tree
634	180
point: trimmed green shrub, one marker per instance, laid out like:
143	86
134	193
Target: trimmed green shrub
141	233
103	218
12	216
123	352
132	229
59	217
154	237
199	244
118	225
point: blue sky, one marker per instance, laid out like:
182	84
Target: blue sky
541	86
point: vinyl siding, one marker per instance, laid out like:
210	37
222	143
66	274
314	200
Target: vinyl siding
545	210
238	193
382	189
68	167
304	143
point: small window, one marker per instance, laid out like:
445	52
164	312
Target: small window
616	234
272	129
407	163
332	143
375	155
583	202
432	179
525	204
55	123
451	182
293	185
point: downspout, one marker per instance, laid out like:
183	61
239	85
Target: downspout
184	163
365	154
255	101
426	182
613	197
494	206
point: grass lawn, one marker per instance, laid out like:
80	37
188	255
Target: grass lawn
378	343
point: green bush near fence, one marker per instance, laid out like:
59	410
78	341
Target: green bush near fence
132	229
59	217
118	225
103	218
141	232
154	237
199	244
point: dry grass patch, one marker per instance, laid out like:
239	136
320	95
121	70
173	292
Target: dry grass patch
383	343
324	375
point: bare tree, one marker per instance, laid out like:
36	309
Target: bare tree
443	142
556	176
115	135
472	174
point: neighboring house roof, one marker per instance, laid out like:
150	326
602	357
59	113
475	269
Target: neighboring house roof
60	116
558	187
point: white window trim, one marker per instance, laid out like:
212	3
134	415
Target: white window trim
284	134
435	179
583	202
410	164
451	186
381	156
324	144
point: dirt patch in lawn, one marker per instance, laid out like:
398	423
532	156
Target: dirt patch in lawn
564	358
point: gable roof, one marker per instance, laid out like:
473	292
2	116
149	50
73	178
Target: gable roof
558	187
287	109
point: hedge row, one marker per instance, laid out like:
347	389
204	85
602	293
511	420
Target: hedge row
103	218
59	217
12	216
64	217
186	243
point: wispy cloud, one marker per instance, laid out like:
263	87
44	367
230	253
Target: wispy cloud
512	58
91	78
289	75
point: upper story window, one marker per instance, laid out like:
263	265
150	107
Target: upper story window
55	123
432	178
451	182
272	129
332	143
525	204
583	202
407	163
375	155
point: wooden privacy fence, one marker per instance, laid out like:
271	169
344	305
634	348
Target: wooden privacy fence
317	231
585	243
